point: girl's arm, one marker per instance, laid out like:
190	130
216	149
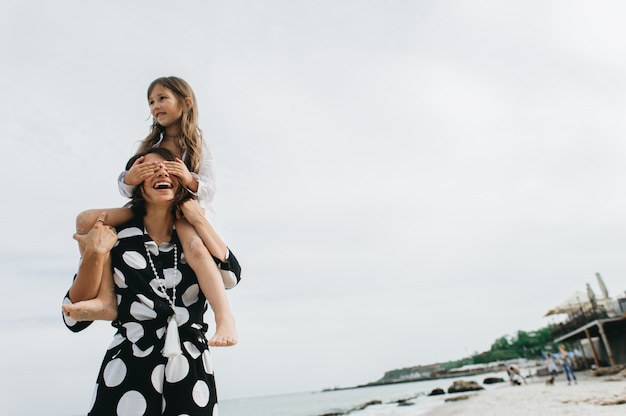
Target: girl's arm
201	184
138	172
206	185
125	190
206	177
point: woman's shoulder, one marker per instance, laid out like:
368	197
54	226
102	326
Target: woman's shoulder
132	228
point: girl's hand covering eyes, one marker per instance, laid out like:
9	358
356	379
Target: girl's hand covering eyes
179	169
139	172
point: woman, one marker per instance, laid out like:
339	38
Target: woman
566	363
158	362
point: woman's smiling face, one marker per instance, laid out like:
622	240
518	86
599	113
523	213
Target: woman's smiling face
161	186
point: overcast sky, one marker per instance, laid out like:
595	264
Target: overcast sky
402	181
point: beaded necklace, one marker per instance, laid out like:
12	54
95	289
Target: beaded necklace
171	347
161	281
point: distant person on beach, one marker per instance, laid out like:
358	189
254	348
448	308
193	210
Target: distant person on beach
158	362
552	368
566	363
174	110
514	373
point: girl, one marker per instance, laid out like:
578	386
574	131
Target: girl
175	128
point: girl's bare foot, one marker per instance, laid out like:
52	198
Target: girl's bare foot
91	310
225	333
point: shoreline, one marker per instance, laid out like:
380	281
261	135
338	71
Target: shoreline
598	396
415	380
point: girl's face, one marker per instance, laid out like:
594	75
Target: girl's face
165	107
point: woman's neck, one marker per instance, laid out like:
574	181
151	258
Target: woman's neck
159	224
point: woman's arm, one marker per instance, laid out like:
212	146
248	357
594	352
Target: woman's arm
103	307
94	247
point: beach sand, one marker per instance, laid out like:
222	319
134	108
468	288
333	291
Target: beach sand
538	399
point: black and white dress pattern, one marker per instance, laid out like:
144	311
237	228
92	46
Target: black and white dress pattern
135	379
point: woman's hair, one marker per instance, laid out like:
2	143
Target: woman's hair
138	203
191	135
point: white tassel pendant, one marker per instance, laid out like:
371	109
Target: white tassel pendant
172	339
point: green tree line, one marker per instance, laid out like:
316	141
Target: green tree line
524	344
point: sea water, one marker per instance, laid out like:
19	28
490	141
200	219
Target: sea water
337	401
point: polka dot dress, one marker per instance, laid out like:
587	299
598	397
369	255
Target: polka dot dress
135	379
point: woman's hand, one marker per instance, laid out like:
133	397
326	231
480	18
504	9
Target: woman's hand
140	171
179	169
100	239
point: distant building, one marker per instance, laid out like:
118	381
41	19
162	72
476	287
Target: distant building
594	326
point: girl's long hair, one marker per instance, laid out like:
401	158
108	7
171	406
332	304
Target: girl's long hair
191	135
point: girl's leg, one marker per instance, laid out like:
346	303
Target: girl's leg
194	215
210	280
115	217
